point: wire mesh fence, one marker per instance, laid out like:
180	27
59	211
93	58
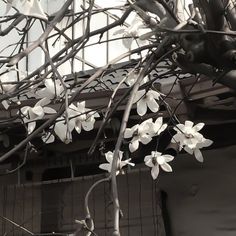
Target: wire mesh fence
51	207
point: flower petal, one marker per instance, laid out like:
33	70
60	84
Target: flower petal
153	105
142	107
145	139
168	157
198	126
155	171
166	167
188	124
134	144
109	156
49	110
31	127
105	166
198	155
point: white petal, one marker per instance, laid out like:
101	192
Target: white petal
37	111
133	146
163	127
61	130
105	166
49	110
198	155
198	126
154	94
153	105
128	133
141	107
31	127
78	127
155	171
109	156
43	102
145	139
166	167
148	161
188	150
168	157
188	124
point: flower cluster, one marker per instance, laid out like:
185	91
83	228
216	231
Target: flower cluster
144	132
79	117
190	139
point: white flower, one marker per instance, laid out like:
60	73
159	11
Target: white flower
82	117
77	115
27	7
31	114
133	31
190	139
120	164
53	89
63	130
146	100
139	133
196	151
155	160
157	127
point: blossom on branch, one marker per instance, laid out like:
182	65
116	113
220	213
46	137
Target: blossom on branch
190	139
146	100
139	133
133	32
156	160
120	164
144	132
31	114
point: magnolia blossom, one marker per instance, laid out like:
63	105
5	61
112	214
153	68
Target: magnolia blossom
120	164
144	132
146	100
157	127
27	7
139	133
190	139
76	117
53	89
155	160
31	114
63	130
133	32
82	117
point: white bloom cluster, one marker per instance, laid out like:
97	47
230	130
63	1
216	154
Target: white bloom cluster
144	132
190	139
79	117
